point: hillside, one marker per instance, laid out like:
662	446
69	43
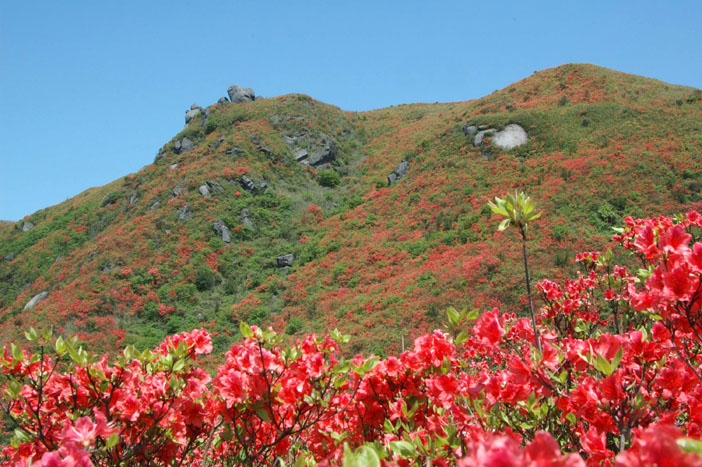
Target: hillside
147	255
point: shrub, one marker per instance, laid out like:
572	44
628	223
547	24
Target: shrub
205	278
329	178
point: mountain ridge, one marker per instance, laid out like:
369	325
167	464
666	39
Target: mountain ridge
370	258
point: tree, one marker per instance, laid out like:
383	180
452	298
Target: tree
519	211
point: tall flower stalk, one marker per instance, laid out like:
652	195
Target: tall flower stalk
518	210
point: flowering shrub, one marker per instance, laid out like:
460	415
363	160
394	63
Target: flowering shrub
616	382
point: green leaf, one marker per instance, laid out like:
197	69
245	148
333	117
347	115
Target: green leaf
690	445
367	457
473	314
227	434
453	316
32	335
403	449
17	353
263	415
462	337
245	330
503	225
60	346
603	365
617	358
178	366
112	441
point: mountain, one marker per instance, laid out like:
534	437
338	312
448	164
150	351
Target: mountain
292	213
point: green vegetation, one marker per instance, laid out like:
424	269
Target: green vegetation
374	260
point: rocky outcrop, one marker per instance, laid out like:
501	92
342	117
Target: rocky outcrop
399	172
36	299
285	260
194	111
221	229
252	185
326	153
185	213
246	220
469	130
133	199
300	154
222	101
210	188
478	140
239	94
183	145
512	136
27	226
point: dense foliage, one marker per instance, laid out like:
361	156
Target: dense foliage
617	381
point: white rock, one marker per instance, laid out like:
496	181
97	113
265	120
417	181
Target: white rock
36	299
512	136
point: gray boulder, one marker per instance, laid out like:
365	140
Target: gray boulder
185	213
324	155
478	140
195	107
252	185
27	226
222	101
204	191
512	136
177	191
285	260
191	114
221	229
402	168
234	150
246	220
154	206
181	145
206	117
133	199
400	171
214	187
186	144
173	166
239	94
300	154
469	130
36	299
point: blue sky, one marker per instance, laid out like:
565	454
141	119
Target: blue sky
91	90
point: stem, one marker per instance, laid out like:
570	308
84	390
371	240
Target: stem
528	284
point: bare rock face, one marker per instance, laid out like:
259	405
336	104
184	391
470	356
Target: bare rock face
478	140
512	136
221	229
285	260
239	94
36	299
399	172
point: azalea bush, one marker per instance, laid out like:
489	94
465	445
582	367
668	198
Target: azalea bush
616	381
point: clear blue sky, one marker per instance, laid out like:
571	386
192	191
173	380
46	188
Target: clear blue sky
91	90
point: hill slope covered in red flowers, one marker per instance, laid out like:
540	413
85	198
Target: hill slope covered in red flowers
144	256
